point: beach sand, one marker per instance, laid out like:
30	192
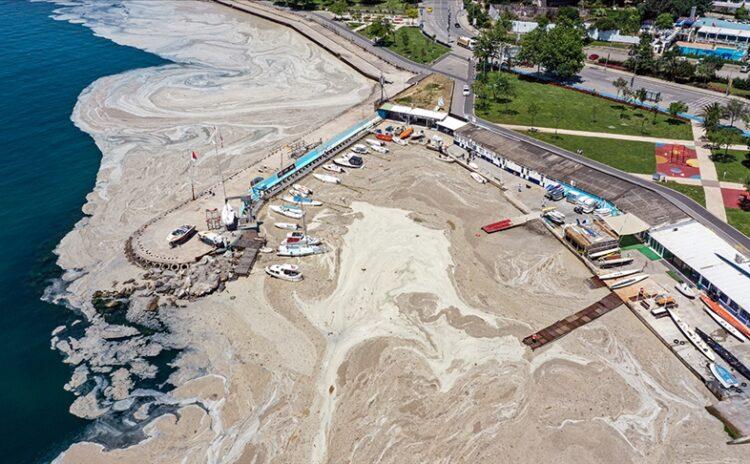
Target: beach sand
403	344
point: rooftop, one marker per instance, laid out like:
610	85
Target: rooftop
721	23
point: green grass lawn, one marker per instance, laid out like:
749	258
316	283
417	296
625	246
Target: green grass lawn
735	164
693	191
625	155
411	43
739	219
569	109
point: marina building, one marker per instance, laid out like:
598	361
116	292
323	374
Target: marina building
708	261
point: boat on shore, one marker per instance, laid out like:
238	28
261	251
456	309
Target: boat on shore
729	328
556	217
327	179
288	211
724	354
299	238
288	272
301	200
180	235
685	289
603	253
287	226
213	239
302	189
605	263
333	168
445	158
478	177
349	160
722	374
359	149
401	142
384	137
406	133
719	310
628	282
299	251
379	149
692	336
618	274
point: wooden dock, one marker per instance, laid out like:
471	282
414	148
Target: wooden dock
251	242
567	325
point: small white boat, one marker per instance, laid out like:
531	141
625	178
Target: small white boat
603	253
628	282
658	311
400	141
333	168
473	165
288	272
296	193
266	250
299	238
213	239
180	235
359	149
288	211
327	179
725	378
604	263
446	158
478	178
618	274
298	251
301	200
685	289
692	336
375	143
555	216
379	149
350	161
302	189
725	325
287	225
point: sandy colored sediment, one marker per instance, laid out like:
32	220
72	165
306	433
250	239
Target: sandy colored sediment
403	345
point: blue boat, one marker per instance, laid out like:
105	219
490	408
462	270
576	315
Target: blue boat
725	378
725	354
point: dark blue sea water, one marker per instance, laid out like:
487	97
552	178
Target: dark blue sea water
47	166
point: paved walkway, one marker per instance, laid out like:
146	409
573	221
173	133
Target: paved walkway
600	135
709	177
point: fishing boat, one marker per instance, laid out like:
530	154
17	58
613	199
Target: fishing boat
718	309
725	354
478	177
418	135
327	179
692	336
213	239
605	263
379	149
288	211
628	282
722	374
298	251
555	216
406	133
180	235
350	161
301	200
445	158
302	189
618	274
602	254
384	137
333	168
375	143
296	193
685	289
359	149
400	141
228	217
725	325
299	238
659	311
288	272
287	226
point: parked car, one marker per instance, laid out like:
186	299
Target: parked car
745	67
467	91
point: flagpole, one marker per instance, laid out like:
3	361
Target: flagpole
192	176
218	164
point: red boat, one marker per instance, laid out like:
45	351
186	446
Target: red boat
385	137
497	226
719	310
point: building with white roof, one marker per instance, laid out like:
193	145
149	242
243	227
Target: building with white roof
707	260
715	30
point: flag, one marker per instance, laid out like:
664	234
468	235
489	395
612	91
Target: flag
194	156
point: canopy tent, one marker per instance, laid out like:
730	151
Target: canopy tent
627	224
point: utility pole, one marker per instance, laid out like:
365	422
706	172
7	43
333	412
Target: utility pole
449	23
218	163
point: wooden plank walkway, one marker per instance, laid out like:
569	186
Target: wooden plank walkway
251	242
567	325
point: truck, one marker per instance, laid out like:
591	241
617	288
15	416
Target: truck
466	42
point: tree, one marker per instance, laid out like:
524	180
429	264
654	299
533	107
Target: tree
675	108
562	50
533	110
741	13
706	69
684	72
664	21
499	84
723	137
653	8
490	44
667	66
480	91
533	46
641	95
641	60
381	30
712	115
339	7
735	110
570	13
620	84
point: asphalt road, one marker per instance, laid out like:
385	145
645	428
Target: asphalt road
440	22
